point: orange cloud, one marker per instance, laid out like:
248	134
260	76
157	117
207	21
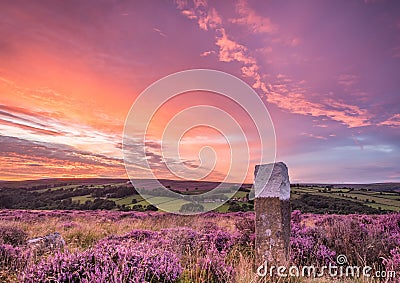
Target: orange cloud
24	159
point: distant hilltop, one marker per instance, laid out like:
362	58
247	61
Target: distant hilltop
202	185
378	187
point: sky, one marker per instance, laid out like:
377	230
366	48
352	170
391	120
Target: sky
327	71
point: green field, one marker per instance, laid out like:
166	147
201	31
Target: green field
384	200
167	203
92	194
82	199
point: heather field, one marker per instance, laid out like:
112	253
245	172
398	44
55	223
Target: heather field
111	246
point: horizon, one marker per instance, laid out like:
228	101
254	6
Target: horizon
326	71
176	180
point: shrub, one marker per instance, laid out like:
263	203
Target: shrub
13	235
213	268
151	207
12	258
191	207
393	262
246	229
108	262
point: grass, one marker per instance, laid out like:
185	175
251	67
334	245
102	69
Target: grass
223	208
239	194
82	199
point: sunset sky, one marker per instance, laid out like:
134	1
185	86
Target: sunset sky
327	71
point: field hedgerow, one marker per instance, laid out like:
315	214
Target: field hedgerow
158	247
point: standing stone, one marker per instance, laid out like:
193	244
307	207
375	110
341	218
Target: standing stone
272	208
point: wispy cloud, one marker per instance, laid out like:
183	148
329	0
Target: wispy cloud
36	126
230	50
44	102
393	121
207	18
314	136
287	95
249	18
207	53
159	32
52	160
74	77
210	20
347	80
396	52
349	115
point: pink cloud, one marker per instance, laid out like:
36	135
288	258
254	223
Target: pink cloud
207	53
200	4
230	50
265	50
357	142
296	103
207	18
159	32
254	22
252	72
210	20
393	121
347	80
313	136
396	52
181	4
285	93
190	14
287	40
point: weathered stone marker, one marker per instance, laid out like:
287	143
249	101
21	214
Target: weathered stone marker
272	208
